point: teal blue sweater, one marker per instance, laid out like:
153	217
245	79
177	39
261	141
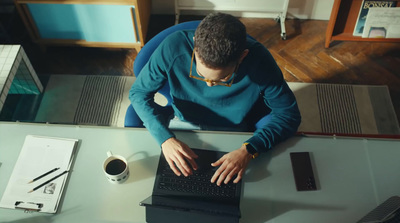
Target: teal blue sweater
219	106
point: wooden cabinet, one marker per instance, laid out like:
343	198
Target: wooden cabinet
91	23
276	9
341	24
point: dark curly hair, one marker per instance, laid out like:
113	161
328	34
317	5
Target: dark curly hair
220	39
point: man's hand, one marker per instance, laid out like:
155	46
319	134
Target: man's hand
178	155
230	164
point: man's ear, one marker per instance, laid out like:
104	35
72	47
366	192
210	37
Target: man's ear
244	54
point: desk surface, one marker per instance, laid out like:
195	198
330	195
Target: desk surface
354	175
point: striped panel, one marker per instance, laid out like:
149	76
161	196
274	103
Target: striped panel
338	110
100	100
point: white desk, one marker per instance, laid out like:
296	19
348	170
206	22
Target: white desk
353	175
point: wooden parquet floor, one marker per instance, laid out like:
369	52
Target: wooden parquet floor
302	57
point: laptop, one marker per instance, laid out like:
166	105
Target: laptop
193	198
387	212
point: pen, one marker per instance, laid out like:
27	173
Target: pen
43	175
41	185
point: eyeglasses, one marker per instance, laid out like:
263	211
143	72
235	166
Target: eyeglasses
213	81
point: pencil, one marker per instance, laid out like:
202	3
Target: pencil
41	185
43	175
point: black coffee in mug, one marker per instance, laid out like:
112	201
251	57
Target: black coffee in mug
115	167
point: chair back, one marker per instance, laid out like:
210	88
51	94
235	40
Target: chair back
131	118
145	53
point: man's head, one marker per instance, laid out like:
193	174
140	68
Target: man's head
220	46
220	40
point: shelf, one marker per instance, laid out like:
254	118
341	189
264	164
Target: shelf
342	21
89	23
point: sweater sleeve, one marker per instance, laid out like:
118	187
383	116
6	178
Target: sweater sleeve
151	78
285	115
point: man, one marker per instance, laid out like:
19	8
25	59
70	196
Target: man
220	79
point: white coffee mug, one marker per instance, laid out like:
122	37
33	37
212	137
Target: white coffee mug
116	168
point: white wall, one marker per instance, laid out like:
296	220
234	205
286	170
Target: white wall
301	9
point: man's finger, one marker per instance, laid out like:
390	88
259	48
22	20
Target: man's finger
239	176
193	163
216	174
226	169
230	175
173	167
190	156
218	162
221	177
183	166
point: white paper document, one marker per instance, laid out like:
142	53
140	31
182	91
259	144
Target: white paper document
40	173
382	23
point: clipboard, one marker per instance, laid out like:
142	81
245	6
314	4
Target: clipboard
40	174
28	207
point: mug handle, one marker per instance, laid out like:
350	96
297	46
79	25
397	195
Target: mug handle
109	153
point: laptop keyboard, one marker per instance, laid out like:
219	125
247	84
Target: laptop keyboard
196	184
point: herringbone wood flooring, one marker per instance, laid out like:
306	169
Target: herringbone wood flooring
302	57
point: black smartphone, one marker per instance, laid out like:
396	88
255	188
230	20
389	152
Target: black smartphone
303	171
